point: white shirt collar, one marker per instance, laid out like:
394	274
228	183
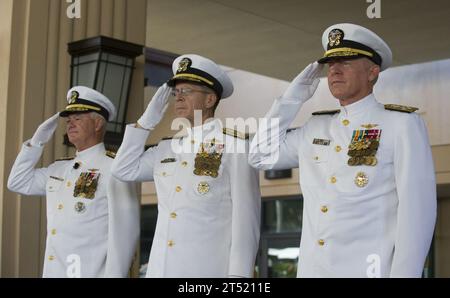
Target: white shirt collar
91	151
210	126
360	106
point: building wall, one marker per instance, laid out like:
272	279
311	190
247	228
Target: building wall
34	79
5	36
442	239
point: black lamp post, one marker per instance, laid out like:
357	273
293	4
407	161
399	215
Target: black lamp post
106	65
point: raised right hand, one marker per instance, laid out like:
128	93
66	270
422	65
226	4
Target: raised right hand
304	85
45	131
156	108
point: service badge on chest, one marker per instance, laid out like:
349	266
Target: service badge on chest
363	147
86	185
208	159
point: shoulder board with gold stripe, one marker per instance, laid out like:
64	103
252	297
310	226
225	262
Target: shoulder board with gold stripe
326	112
110	154
400	108
235	133
64	158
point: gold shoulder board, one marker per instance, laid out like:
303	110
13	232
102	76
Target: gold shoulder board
166	138
64	158
326	112
235	133
110	154
400	108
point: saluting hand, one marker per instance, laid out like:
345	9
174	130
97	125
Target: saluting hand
304	85
45	131
156	108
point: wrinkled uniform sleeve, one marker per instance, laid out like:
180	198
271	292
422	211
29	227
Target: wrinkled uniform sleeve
24	178
132	163
416	188
123	227
246	212
272	147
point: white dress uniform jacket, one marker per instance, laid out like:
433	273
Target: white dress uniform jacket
99	234
207	226
362	220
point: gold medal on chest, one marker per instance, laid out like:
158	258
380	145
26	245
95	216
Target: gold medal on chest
208	159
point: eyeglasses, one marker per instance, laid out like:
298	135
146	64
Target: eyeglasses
185	92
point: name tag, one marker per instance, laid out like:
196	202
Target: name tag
57	178
322	142
167	160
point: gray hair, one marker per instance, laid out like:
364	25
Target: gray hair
95	115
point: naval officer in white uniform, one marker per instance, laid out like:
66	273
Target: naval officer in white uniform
92	218
208	195
366	170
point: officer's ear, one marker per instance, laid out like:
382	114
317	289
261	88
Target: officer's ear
99	123
374	71
211	100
